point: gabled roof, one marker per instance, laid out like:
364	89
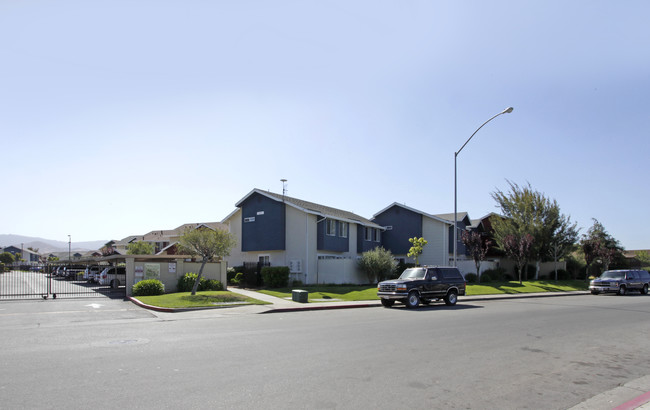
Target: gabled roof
477	222
311	208
434	217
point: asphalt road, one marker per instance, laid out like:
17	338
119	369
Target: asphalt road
545	353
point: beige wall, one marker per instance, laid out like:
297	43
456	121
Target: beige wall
212	270
436	251
339	271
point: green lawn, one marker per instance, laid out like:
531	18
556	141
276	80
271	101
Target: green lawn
355	293
201	299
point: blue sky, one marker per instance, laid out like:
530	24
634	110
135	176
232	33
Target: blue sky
122	117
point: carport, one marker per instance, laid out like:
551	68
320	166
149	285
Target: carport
166	268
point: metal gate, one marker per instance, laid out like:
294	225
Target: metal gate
42	281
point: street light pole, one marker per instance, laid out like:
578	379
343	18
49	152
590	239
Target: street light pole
506	111
69	250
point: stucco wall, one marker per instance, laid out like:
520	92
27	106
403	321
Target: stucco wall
435	251
171	270
339	271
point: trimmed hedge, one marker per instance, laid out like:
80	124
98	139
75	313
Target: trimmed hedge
149	287
275	276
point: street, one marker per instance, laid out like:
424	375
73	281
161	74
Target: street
541	353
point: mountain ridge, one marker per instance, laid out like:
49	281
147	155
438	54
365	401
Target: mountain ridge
47	245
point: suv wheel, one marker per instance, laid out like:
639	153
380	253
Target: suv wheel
451	298
115	284
622	291
413	300
387	302
644	291
594	292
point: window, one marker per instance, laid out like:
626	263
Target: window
377	235
367	235
265	260
343	229
330	227
251	219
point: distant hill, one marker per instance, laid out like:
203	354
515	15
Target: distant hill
48	245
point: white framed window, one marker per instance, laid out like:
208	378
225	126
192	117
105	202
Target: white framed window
343	229
330	227
367	233
264	259
377	235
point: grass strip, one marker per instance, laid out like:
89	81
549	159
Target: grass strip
201	299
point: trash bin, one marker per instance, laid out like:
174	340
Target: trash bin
298	295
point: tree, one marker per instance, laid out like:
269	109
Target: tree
518	249
417	248
643	257
477	248
527	211
564	240
206	243
599	246
377	264
7	258
140	248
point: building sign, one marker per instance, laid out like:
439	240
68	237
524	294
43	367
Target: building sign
152	271
172	267
139	273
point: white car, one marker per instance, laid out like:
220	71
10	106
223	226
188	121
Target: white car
113	276
91	273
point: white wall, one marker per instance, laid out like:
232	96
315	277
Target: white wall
340	271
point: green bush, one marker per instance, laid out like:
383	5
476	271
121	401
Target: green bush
186	283
470	278
495	275
210	284
149	287
275	276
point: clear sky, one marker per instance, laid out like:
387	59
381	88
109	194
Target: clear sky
122	117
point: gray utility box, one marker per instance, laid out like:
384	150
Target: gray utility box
298	295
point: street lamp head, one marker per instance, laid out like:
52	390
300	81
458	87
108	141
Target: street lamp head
507	110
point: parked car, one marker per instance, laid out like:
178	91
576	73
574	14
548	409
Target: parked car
423	285
91	274
113	276
620	281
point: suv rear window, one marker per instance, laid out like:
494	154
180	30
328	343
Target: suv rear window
451	274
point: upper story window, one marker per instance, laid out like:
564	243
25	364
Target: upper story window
330	227
343	229
367	234
377	235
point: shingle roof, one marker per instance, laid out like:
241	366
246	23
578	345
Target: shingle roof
311	207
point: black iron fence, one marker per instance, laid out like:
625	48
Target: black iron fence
32	281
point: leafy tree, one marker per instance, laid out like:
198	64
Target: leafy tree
599	246
477	248
206	243
140	248
527	211
564	240
643	257
416	248
518	249
377	264
7	258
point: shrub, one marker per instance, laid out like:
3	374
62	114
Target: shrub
239	277
230	274
275	276
401	267
186	282
210	284
378	264
149	287
470	278
498	275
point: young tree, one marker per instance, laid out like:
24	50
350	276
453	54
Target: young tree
206	243
477	248
140	248
518	249
416	248
591	249
377	264
643	257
